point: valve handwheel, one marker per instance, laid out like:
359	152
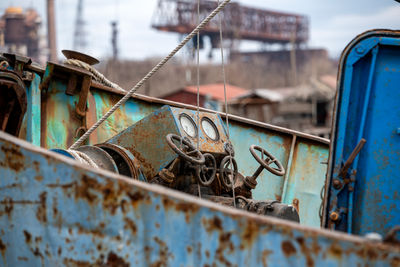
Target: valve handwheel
185	149
267	161
206	172
226	171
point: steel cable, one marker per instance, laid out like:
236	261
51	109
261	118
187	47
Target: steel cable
148	75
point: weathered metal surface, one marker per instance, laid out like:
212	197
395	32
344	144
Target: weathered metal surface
366	197
146	140
79	216
301	191
304	162
60	125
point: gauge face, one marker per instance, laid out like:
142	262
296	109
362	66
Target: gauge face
188	125
210	129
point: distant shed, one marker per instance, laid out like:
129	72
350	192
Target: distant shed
305	108
210	95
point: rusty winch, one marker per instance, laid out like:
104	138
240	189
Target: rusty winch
175	148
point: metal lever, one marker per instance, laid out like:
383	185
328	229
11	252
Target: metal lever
353	155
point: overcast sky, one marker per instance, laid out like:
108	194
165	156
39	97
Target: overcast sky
333	23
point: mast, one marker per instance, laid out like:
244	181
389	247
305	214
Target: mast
51	31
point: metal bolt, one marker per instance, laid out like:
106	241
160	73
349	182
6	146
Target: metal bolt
360	49
334	216
337	184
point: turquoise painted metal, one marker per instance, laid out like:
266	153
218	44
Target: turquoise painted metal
367	107
54	211
61	126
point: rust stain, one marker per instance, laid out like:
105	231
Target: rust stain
306	251
36	166
288	248
77	263
188	209
3	249
164	254
225	244
41	214
278	197
168	203
94	232
265	255
8	206
250	233
335	251
114	260
136	198
395	262
129	224
214	224
189	249
28	236
38	178
296	205
14	159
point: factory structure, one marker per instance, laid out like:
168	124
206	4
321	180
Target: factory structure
20	33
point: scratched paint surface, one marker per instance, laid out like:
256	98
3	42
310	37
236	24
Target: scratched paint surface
58	212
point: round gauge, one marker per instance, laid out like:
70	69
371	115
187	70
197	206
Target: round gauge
210	129
188	125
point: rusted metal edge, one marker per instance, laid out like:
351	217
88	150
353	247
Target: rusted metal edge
231	117
156	189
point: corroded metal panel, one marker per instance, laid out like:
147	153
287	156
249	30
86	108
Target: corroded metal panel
54	211
367	108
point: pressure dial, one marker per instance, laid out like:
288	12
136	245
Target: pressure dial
210	129
188	125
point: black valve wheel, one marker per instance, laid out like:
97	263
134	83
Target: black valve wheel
227	173
185	149
206	172
267	161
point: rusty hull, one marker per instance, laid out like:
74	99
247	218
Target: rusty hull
55	211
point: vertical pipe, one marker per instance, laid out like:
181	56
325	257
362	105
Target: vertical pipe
51	31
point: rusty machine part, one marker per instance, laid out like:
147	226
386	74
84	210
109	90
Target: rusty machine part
280	171
228	171
206	173
13	102
185	149
161	149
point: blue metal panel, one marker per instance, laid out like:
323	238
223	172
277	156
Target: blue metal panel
303	189
58	212
367	107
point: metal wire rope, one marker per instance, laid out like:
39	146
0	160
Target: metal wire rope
148	75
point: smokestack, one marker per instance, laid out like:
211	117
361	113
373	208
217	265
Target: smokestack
51	30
